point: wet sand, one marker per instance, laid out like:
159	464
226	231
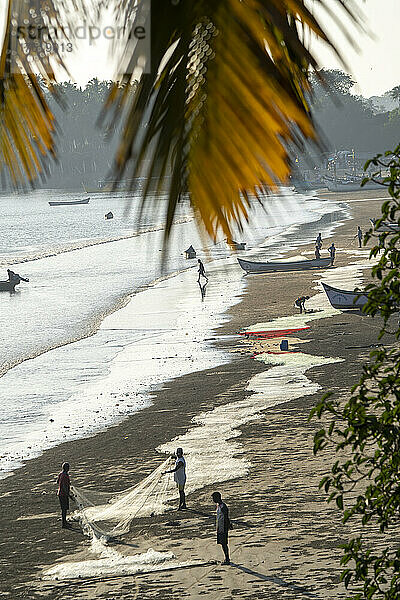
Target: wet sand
285	538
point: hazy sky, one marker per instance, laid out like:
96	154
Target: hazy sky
376	66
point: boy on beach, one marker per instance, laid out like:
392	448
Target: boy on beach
318	241
223	525
63	493
332	252
179	477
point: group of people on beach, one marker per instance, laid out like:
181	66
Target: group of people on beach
318	246
223	523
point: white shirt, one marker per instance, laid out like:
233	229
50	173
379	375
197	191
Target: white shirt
180	474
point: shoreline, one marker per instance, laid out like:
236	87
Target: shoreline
94	342
128	458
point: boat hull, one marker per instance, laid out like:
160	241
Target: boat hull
351	186
70	203
271	267
344	299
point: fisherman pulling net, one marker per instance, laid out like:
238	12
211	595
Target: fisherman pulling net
106	515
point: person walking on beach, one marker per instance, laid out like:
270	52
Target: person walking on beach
318	241
63	493
300	303
317	252
223	525
360	236
202	271
179	477
332	252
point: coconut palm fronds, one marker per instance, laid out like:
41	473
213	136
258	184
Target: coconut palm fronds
219	104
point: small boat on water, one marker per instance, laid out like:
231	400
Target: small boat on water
236	245
190	252
344	299
294	265
69	202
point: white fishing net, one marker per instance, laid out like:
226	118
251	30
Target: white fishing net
106	515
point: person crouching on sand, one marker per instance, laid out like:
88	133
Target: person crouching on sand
223	525
300	303
64	494
179	477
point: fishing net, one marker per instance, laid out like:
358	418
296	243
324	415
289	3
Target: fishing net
106	515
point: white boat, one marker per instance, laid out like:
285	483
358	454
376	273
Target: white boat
351	185
344	299
388	226
294	265
69	202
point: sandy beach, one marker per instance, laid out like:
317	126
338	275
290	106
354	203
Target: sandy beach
285	541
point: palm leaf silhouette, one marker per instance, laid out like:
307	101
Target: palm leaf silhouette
223	104
215	114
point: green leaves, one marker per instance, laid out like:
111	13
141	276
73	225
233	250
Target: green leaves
365	432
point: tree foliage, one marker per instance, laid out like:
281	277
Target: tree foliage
365	430
395	94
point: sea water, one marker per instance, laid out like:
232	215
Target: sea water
99	326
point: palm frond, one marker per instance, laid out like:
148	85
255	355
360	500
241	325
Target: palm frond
27	59
223	102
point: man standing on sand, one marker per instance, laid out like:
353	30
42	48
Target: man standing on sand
180	477
223	525
332	252
318	241
360	236
63	493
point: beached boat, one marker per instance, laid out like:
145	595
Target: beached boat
294	265
344	299
69	202
351	184
8	286
389	226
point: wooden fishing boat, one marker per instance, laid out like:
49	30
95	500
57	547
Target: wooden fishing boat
8	286
69	202
294	265
349	184
344	299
